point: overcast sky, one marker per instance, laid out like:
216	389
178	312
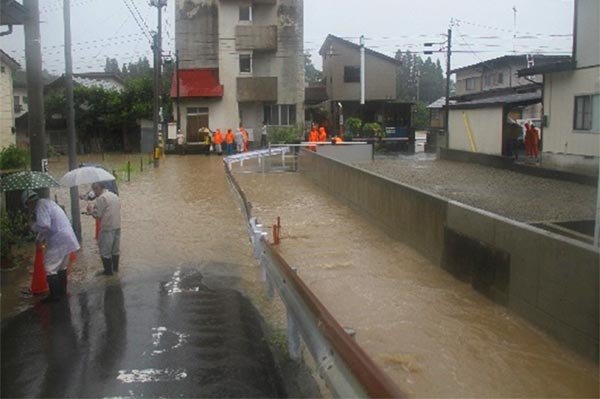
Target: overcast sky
483	29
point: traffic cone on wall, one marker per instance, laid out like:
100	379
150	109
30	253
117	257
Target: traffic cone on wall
39	285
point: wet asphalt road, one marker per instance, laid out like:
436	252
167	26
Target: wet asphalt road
165	336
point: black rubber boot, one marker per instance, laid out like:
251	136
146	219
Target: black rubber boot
62	278
107	264
115	263
54	286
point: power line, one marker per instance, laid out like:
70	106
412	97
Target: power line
137	22
139	15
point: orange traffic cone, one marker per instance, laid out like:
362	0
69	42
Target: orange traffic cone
39	285
97	228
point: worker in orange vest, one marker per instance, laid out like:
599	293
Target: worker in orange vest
322	134
313	137
336	139
229	142
218	140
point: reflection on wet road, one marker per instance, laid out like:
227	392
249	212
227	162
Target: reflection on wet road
434	335
140	340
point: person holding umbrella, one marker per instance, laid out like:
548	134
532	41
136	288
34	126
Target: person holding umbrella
107	208
55	232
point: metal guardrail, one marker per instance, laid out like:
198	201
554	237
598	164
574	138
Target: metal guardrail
342	363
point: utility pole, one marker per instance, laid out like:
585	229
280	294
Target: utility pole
157	47
362	70
75	216
177	75
597	225
447	106
35	88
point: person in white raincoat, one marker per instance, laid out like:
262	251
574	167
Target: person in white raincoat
239	141
54	229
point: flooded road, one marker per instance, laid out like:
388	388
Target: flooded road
179	318
434	335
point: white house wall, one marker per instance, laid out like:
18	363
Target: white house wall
7	108
563	146
486	127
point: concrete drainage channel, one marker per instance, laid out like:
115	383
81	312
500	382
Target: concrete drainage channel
347	370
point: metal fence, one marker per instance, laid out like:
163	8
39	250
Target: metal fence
341	362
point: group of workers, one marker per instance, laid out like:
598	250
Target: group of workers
240	139
319	135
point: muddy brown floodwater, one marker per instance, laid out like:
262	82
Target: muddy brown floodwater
434	335
179	215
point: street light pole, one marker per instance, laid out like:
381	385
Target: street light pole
75	216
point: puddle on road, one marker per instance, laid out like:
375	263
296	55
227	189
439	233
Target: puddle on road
151	375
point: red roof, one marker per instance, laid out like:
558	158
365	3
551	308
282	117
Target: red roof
197	83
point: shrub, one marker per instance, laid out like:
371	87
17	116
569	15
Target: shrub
373	130
13	157
354	126
284	134
12	231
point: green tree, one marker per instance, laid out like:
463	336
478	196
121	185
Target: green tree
420	119
312	75
111	65
419	80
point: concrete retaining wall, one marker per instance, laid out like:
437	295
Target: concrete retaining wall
500	162
347	153
549	279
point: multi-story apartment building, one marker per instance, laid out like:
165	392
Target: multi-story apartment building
240	61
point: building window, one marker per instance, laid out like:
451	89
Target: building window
280	114
24	99
351	74
587	116
2	69
245	63
17	100
470	84
500	78
436	114
488	80
197	111
246	13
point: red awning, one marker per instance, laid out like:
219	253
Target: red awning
197	83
